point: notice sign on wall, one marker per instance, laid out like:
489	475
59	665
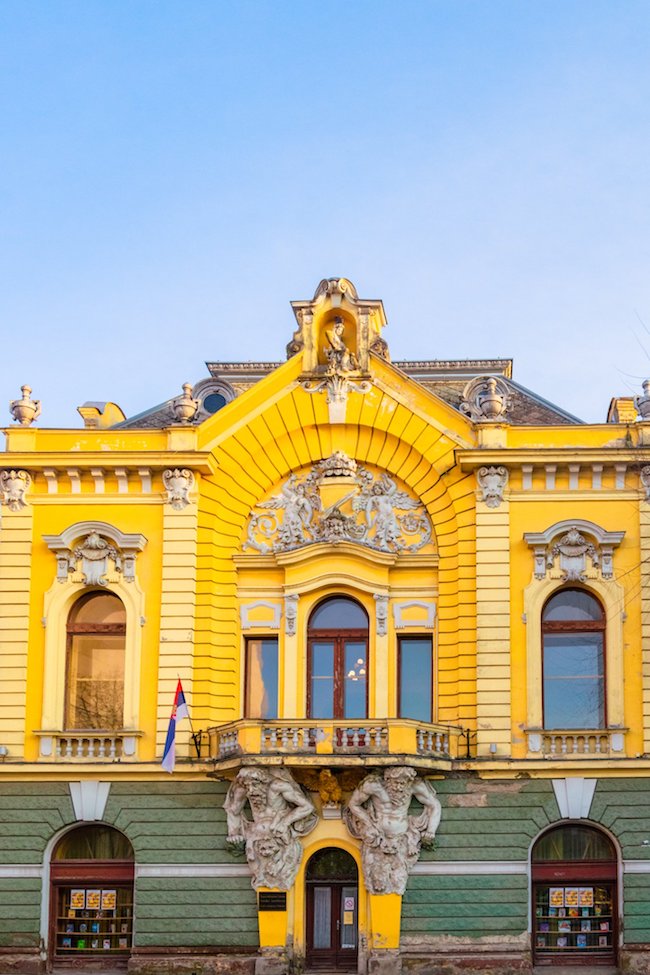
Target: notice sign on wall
270	900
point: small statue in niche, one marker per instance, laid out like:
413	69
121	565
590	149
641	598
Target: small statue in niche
338	356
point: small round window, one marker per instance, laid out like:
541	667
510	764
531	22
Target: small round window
213	402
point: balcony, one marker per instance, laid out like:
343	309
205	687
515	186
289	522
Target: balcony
332	742
87	746
559	744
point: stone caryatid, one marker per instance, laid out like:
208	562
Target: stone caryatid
281	813
378	815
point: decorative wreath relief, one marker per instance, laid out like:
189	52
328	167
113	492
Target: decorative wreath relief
370	510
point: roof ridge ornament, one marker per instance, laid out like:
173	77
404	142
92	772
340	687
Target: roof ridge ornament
486	399
25	410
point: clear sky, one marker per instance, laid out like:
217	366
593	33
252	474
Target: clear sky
174	172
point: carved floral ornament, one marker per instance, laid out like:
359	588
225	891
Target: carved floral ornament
14	486
574	551
104	553
369	509
492	482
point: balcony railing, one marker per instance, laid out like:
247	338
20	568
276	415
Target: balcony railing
561	744
87	746
311	737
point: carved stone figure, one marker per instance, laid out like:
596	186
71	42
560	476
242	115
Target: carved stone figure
645	481
25	410
374	513
281	812
14	485
492	482
178	484
339	357
185	407
378	815
486	399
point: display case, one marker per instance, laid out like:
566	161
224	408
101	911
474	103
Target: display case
574	921
94	920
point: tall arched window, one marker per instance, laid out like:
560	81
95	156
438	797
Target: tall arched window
338	660
573	634
95	663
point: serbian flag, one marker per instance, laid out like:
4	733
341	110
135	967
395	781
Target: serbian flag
179	711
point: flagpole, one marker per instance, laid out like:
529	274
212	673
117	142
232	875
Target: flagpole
196	736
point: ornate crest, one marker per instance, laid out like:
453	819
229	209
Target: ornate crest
370	510
178	484
574	551
14	485
102	550
492	482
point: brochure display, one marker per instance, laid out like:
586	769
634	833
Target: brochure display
571	921
94	921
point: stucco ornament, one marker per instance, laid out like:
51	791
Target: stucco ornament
178	484
338	386
642	403
492	482
574	551
14	485
26	409
94	553
378	815
281	813
645	481
370	510
486	399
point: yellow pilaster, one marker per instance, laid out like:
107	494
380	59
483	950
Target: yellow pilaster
15	568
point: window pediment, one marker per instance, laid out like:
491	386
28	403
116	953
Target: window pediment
574	551
101	549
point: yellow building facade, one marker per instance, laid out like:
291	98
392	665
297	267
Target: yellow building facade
408	607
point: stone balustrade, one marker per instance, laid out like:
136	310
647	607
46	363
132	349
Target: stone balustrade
560	744
87	746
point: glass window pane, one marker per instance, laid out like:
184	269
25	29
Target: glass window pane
339	614
94	843
322	659
355	677
415	678
99	608
573	655
573	843
322	917
348	915
322	697
262	679
574	680
95	691
572	604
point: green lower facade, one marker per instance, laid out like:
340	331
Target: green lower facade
479	901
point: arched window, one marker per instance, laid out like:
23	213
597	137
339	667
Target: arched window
573	634
95	663
338	660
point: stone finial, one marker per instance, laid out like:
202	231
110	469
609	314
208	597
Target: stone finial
486	399
185	407
642	403
25	410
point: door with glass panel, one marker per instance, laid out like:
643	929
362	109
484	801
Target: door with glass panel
332	911
338	660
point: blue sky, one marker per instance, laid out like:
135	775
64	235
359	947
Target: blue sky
174	173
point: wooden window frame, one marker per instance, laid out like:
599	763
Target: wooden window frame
84	629
339	639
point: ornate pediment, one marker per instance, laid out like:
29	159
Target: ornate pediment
102	552
574	551
338	501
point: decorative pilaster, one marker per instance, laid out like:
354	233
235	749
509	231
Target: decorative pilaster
493	685
644	559
15	569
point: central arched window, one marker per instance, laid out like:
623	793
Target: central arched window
573	634
338	660
95	663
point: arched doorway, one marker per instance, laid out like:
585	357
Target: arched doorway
91	897
575	914
332	911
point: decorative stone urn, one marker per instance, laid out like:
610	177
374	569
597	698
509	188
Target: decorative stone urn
642	403
185	407
25	410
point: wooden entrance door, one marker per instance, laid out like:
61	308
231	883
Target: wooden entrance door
332	911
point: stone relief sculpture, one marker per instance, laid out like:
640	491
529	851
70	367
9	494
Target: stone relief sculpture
339	358
574	551
281	813
14	485
378	815
102	550
645	481
374	512
178	484
492	482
